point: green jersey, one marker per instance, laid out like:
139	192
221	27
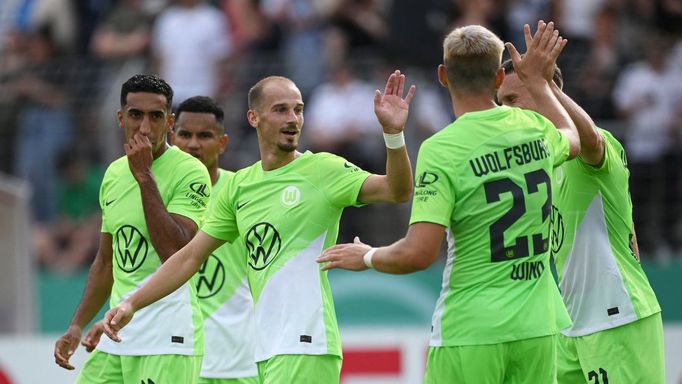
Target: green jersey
285	218
171	325
601	280
227	307
487	178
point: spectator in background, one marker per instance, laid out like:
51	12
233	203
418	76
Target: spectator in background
45	122
69	242
121	43
648	97
191	44
302	25
340	119
59	16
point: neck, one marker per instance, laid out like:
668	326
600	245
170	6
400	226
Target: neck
462	104
273	160
160	151
213	172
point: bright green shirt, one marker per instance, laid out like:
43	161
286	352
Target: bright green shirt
602	283
227	306
173	324
286	217
486	179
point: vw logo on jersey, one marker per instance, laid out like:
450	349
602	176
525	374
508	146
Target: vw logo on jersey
263	244
211	277
131	248
559	174
558	229
290	196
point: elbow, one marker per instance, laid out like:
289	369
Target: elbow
594	143
402	196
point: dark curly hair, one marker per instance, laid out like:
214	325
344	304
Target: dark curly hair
147	83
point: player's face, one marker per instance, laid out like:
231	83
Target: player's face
197	134
279	117
513	93
146	113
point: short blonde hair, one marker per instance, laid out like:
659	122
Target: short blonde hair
472	56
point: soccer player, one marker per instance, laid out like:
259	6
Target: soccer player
222	288
152	201
286	208
616	317
485	179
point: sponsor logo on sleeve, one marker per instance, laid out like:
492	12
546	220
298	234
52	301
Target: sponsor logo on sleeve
423	190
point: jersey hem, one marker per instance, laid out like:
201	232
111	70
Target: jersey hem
151	351
269	356
229	375
585	331
465	342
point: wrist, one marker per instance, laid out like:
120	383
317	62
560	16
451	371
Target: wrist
394	140
367	258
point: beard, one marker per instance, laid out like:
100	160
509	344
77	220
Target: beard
288	146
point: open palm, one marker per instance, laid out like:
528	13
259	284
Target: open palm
390	107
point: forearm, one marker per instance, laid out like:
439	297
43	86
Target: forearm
549	107
399	174
591	141
398	259
166	235
97	290
169	277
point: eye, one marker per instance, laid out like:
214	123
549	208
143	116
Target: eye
298	110
184	134
157	115
134	113
206	135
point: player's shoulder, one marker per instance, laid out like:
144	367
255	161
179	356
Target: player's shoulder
116	167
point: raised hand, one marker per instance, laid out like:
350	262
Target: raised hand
117	318
139	152
65	347
345	256
91	338
390	107
542	50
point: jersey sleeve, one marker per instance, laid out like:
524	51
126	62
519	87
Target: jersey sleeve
434	194
342	181
193	190
557	141
221	221
105	228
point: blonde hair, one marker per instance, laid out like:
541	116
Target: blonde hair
256	92
472	56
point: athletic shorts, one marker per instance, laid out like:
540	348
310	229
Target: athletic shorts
106	368
528	361
631	353
240	380
300	369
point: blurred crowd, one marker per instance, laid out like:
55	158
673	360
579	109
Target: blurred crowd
62	63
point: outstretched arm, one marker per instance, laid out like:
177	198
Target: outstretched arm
391	111
415	252
531	70
97	290
170	276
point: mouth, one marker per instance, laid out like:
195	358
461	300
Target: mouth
290	132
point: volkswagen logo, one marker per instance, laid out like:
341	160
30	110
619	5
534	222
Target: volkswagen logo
557	225
131	248
211	277
263	244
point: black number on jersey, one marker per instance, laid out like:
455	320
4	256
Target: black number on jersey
592	375
519	249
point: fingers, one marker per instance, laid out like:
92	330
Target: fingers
513	53
558	47
377	98
390	83
62	353
410	94
546	36
111	320
401	84
527	36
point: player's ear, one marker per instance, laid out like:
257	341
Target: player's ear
499	77
172	137
442	76
252	117
224	139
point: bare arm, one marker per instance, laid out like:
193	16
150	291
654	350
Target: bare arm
546	42
415	252
168	278
591	141
167	232
97	290
391	111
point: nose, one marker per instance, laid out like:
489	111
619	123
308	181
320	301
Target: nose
193	142
145	126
